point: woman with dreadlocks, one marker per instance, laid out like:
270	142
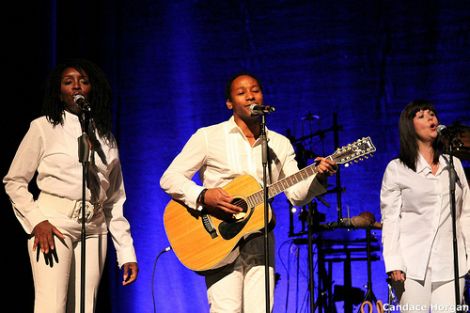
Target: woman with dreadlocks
53	220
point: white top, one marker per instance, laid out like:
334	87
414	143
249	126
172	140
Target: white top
221	153
417	221
52	152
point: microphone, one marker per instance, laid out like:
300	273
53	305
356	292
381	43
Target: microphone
82	102
442	129
446	132
258	109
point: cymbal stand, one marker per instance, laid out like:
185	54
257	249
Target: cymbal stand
324	290
369	296
324	283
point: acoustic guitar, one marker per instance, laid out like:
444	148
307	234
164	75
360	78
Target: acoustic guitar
202	241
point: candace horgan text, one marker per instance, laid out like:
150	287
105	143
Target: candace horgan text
425	308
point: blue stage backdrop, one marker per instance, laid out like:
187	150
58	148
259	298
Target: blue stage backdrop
362	62
353	63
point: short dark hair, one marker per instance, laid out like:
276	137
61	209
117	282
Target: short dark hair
228	86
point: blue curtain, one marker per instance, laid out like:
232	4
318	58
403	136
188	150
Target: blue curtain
168	61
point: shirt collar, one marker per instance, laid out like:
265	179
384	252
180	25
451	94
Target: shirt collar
70	116
422	165
234	127
442	164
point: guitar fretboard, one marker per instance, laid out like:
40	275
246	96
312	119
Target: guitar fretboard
281	185
360	148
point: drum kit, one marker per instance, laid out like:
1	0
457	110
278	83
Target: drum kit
459	146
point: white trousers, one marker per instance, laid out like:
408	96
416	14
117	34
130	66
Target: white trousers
57	277
427	296
237	292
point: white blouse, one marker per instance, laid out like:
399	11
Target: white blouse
417	221
52	152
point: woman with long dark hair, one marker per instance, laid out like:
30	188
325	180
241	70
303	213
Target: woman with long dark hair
417	224
54	219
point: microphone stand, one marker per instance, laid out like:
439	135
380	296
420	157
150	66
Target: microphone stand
264	159
452	180
84	158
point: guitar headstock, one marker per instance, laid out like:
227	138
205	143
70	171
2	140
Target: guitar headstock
356	151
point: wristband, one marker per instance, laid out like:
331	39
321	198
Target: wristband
202	196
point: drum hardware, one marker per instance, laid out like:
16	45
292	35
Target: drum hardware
335	244
311	220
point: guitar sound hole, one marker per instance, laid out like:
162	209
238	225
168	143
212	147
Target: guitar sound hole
241	203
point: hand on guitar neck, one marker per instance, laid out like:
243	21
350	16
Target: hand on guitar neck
325	167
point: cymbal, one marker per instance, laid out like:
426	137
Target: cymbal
310	117
319	133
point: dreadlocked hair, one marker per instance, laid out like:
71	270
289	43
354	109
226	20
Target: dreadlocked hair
99	96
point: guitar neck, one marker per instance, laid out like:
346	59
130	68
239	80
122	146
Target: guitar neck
359	149
283	184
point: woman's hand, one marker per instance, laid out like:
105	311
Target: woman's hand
130	271
44	236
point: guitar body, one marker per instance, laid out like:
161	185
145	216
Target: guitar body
192	242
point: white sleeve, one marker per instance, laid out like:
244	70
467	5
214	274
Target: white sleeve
390	206
22	170
177	179
117	224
